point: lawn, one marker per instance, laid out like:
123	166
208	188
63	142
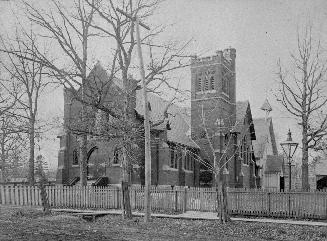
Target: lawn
31	224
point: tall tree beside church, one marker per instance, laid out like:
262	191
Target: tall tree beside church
225	134
70	31
122	30
302	92
29	77
12	145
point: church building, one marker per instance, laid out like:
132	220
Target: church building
184	146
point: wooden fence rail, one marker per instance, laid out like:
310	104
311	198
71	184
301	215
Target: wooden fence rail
245	202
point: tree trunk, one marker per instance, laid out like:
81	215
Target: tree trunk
44	196
3	161
31	179
305	157
127	210
83	159
220	185
225	215
221	197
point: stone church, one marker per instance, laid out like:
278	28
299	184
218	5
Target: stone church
183	147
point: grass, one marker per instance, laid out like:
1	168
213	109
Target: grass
31	224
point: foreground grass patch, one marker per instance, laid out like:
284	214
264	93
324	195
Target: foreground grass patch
31	224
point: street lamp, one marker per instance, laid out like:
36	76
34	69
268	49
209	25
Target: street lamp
289	148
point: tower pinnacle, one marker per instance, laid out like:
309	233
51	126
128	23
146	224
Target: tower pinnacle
266	107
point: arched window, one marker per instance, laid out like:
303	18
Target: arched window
75	157
225	81
199	84
206	87
212	83
172	157
188	162
118	155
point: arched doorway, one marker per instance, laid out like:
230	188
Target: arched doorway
95	164
322	183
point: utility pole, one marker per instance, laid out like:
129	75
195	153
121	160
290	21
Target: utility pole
147	196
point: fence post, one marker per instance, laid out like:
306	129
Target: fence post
135	200
185	200
118	201
269	203
176	200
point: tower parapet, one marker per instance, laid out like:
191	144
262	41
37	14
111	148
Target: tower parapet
225	57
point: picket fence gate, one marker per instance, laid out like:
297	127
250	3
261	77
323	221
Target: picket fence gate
294	204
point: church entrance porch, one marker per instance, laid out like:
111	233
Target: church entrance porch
96	166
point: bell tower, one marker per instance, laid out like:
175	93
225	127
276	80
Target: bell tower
213	101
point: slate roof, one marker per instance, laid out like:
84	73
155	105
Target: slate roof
242	108
179	118
274	164
265	141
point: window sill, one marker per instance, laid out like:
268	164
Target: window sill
188	171
206	91
168	168
75	165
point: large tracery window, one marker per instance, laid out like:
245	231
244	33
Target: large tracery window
75	157
118	155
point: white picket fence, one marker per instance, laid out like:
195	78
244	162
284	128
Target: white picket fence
244	202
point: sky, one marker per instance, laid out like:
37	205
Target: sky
261	31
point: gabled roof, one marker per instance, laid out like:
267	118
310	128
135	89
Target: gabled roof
243	113
266	106
179	118
241	108
274	164
265	142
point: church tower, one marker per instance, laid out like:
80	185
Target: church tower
213	101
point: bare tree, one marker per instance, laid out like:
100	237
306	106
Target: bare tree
12	144
7	100
121	28
303	94
72	29
223	146
29	76
69	29
41	166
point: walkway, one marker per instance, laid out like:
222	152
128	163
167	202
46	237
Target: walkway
198	215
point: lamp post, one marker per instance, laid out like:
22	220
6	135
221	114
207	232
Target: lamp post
289	147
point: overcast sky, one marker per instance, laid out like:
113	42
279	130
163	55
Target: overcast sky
261	31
